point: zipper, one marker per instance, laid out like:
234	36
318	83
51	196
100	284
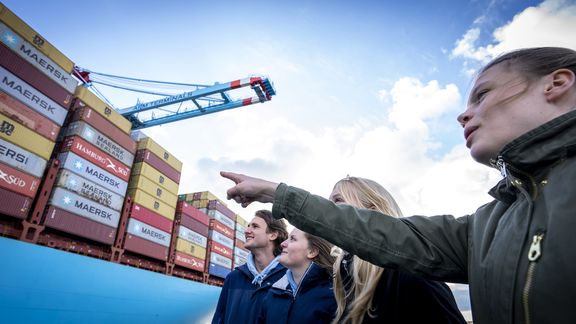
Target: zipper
504	167
534	253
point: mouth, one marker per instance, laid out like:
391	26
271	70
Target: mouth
468	131
248	238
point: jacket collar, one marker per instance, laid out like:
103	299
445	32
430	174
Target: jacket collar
311	278
244	270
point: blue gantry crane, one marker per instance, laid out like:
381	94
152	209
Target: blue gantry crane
205	99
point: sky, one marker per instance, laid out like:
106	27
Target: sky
364	88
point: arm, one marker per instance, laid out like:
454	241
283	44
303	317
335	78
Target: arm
220	313
434	247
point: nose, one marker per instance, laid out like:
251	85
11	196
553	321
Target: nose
247	230
284	244
464	117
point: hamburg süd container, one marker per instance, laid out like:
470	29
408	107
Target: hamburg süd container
86	169
93	154
19	135
188	261
37	101
149	217
18	181
32	120
21	159
100	141
214	246
71	181
221	228
38	59
31	36
14	204
65	221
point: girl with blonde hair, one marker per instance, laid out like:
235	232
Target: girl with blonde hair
366	293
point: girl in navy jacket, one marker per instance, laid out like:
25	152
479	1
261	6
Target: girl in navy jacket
304	294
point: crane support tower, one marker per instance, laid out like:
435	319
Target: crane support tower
205	99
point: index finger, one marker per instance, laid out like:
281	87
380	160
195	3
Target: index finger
237	178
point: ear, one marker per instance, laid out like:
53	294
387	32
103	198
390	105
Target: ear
558	84
273	236
312	253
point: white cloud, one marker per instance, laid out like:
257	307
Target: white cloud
552	23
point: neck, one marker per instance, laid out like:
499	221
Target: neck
298	272
262	259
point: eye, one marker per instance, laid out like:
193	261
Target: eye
480	95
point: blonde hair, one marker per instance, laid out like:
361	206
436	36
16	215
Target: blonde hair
361	193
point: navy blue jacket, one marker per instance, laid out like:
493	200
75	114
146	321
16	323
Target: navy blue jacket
240	299
314	301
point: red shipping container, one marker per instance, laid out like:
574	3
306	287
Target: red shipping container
158	164
70	223
18	181
219	206
188	261
144	247
220	249
239	243
28	73
95	155
96	120
187	209
23	115
151	218
221	228
193	224
15	205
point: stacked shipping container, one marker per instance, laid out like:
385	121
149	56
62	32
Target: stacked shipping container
35	92
240	253
153	189
191	237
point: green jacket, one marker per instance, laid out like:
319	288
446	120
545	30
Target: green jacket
517	253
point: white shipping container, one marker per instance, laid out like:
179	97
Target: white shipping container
191	236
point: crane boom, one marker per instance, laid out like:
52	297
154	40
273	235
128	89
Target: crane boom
204	98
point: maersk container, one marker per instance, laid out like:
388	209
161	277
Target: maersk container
193	224
143	168
149	144
221	238
25	71
18	181
85	188
101	141
85	98
241	252
105	126
21	159
19	135
84	207
31	119
142	182
192	236
93	154
220	260
150	202
28	95
38	59
65	221
14	204
31	36
148	232
238	261
240	228
157	163
149	217
144	247
92	172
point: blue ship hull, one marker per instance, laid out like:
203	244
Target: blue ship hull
44	285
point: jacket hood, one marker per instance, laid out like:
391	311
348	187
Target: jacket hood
244	270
